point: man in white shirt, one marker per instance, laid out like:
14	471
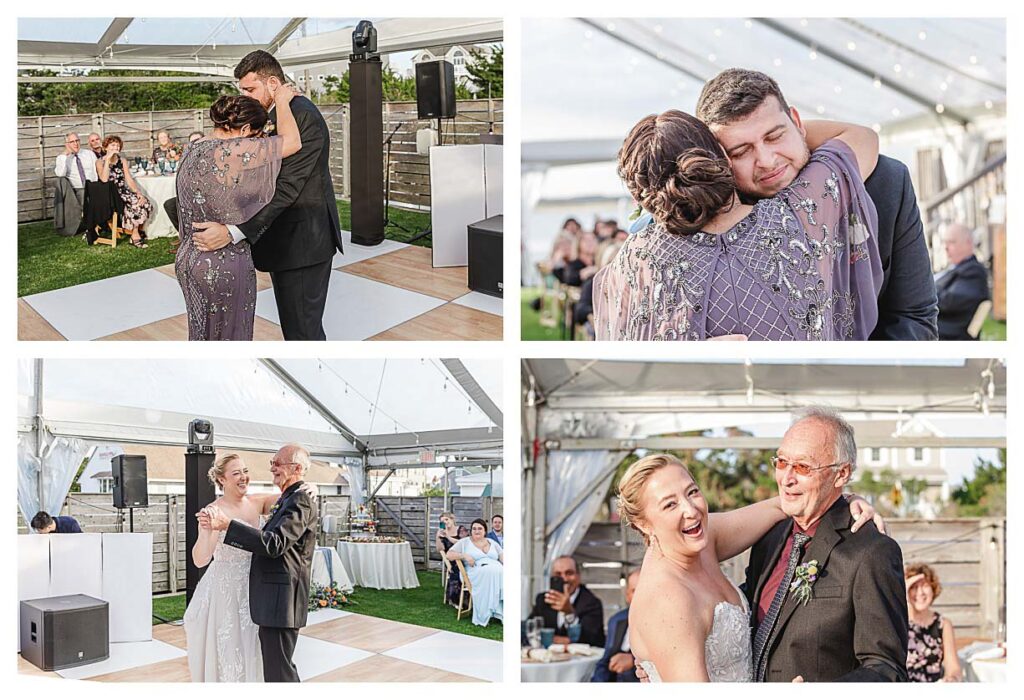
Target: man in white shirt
78	167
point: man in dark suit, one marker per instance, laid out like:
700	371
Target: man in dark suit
282	559
574	604
295	236
45	524
746	108
851	625
618	664
962	286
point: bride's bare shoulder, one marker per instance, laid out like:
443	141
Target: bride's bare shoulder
661	592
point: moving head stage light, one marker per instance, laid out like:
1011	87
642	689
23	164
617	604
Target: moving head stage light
199	457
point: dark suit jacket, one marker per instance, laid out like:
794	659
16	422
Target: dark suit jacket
906	305
960	290
617	626
589	611
282	556
299	227
66	525
855	627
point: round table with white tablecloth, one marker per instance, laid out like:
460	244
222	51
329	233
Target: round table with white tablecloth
158	188
983	662
577	669
381	565
327	567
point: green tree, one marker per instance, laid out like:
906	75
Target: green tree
487	72
37	99
984	494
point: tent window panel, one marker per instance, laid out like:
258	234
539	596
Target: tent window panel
931	176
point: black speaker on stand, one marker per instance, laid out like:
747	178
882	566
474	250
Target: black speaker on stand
366	147
131	484
199	493
435	90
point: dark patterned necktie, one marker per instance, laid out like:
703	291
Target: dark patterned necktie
81	170
764	630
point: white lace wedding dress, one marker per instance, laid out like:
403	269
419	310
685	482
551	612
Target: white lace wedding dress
223	642
727	652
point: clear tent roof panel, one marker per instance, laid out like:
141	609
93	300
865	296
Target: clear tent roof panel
967	56
158	30
410	396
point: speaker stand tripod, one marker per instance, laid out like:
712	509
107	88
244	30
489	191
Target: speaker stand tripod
387	189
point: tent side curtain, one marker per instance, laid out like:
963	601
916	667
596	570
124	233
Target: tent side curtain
103	423
56	466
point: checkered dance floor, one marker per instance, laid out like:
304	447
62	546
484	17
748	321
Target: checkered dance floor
385	292
334	646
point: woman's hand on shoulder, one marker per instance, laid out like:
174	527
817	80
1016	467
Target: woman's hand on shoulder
284	94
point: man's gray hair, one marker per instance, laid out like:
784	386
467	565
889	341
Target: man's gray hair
844	450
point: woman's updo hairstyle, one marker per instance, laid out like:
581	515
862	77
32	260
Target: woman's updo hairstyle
216	472
231	112
676	170
631	488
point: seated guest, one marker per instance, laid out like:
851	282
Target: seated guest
931	648
96	145
581	266
45	524
574	604
446	537
484	566
165	148
581	314
195	136
497	530
617	664
961	286
463	531
137	207
79	167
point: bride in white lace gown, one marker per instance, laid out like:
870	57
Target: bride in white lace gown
687	621
223	642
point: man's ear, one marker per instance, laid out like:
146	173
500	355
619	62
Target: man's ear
843	476
273	83
795	116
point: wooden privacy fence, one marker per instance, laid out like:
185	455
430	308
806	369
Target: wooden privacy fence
968	555
41	140
165	518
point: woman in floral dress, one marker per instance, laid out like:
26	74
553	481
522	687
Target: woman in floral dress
137	207
931	646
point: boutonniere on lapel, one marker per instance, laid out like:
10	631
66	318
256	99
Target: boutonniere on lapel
269	128
803	581
273	509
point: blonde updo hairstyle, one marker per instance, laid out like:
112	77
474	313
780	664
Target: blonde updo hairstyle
216	472
676	170
631	489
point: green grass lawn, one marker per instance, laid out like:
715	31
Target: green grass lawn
530	319
417	606
47	261
993	330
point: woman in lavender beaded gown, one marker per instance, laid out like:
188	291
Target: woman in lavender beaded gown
228	178
223	642
800	265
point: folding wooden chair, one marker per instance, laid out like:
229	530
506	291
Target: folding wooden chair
465	593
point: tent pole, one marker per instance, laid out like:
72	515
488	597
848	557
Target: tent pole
38	389
446	489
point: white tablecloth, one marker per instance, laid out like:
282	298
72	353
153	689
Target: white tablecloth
977	668
322	573
576	670
379	565
158	188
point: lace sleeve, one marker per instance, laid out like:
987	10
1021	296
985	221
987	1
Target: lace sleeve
248	170
839	219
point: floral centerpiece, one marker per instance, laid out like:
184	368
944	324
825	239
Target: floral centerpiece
331	596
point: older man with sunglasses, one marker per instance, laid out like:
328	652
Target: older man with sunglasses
828	604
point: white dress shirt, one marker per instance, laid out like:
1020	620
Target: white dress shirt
65	167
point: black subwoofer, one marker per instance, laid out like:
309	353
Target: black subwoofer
65	631
131	487
435	90
485	256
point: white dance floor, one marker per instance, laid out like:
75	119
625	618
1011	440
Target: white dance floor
149	305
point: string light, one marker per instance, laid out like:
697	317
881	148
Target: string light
877	83
897	68
922	36
820	109
940	108
851	46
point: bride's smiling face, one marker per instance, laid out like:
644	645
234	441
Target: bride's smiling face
236	478
675	511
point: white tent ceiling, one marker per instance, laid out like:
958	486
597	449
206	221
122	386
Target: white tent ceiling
336	407
213	46
869	71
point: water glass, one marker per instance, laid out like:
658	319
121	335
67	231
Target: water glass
547	636
574	632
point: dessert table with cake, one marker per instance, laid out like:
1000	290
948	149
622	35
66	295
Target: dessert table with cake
375	561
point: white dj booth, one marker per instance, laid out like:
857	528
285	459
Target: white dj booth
115	567
465	187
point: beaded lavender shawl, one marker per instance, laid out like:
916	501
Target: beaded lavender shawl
803	265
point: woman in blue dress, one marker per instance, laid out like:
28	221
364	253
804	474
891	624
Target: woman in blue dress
485	567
